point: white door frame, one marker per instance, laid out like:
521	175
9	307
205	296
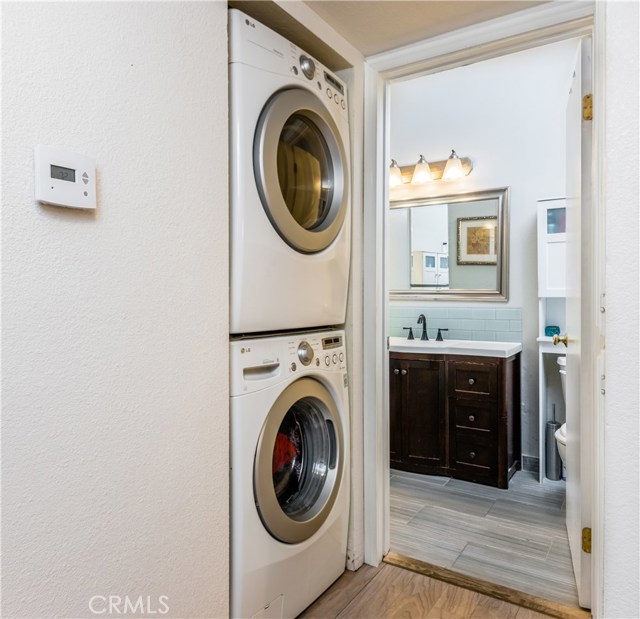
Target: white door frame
526	29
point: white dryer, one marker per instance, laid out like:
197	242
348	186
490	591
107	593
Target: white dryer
289	159
289	471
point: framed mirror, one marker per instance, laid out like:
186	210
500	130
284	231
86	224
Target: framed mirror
452	247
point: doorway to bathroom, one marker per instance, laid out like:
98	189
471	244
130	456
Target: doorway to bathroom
531	512
515	537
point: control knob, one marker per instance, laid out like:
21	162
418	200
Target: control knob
308	66
305	353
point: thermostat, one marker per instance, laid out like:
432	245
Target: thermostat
64	178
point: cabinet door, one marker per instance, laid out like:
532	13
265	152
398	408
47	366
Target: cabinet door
395	411
552	248
424	422
429	269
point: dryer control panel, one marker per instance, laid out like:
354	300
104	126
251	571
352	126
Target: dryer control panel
326	83
256	45
260	362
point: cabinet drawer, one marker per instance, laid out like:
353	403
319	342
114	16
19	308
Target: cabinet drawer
475	416
475	449
473	379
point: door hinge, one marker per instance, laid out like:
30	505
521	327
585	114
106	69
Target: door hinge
587	107
586	540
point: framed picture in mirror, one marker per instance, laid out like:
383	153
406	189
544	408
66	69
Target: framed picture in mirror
477	240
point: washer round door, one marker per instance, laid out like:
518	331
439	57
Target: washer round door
301	169
298	462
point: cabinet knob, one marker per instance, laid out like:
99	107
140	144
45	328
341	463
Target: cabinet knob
472	381
396	371
472	418
403	372
472	455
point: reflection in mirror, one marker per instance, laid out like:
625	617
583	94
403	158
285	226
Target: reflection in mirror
451	246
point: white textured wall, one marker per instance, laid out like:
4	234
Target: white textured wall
508	116
621	440
114	342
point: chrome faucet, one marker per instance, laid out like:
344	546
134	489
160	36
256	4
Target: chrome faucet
423	321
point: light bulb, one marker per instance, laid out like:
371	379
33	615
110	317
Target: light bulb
453	168
395	174
422	172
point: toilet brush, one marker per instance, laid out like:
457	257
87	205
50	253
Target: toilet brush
553	464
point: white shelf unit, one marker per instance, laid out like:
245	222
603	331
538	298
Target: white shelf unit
552	243
551	312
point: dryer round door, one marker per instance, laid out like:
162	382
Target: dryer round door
301	169
298	462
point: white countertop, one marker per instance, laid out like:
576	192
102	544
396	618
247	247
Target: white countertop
455	347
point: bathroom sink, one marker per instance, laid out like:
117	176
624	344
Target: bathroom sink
455	347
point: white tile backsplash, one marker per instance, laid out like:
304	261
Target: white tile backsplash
464	323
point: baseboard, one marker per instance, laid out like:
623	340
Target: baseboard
531	464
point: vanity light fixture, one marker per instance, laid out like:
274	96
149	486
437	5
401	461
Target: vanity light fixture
422	172
453	169
395	174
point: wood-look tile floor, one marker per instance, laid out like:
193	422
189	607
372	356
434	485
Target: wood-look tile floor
515	538
390	591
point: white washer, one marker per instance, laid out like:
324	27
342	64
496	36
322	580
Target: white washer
289	158
289	471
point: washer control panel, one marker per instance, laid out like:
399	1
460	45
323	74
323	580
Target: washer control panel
322	351
257	363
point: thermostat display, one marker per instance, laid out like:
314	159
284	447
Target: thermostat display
64	178
64	174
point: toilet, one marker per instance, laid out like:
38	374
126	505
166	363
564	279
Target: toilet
561	432
561	441
562	363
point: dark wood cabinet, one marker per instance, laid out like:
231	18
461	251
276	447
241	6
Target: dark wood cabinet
418	419
455	416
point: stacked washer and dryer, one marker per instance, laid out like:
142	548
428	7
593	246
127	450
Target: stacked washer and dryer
290	250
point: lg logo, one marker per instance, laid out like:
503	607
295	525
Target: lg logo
109	605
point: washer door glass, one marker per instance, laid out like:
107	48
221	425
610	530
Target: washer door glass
301	170
302	454
298	463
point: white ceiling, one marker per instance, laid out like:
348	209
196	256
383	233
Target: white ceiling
380	25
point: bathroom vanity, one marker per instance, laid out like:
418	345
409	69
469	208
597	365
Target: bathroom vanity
455	409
